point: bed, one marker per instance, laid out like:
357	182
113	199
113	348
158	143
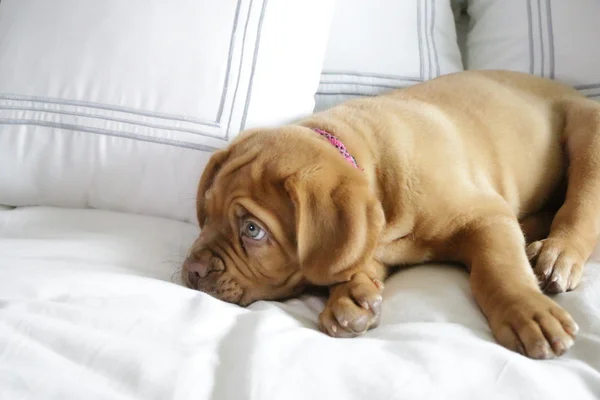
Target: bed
110	114
91	309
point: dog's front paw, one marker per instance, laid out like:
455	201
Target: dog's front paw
353	307
557	263
533	325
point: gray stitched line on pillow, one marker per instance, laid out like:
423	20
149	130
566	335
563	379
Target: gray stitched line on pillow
427	38
113	119
229	58
381	85
357	93
542	44
435	54
588	86
365	84
254	60
348	91
541	39
101	106
550	37
422	60
530	21
344	94
107	132
371	75
593	95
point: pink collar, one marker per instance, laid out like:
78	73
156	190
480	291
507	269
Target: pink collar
338	145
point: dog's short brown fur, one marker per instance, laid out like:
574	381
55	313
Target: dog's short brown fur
462	168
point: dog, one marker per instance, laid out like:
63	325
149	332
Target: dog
496	170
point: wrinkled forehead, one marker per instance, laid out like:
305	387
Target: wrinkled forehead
256	188
226	188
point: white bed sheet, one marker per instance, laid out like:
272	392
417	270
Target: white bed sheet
88	311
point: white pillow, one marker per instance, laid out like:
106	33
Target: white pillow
557	39
378	45
119	104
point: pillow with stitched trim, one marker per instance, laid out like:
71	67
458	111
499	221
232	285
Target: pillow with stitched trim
551	38
119	104
378	45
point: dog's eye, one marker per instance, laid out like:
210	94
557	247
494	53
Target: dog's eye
253	230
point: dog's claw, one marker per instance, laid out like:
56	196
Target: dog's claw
378	284
557	262
535	326
353	307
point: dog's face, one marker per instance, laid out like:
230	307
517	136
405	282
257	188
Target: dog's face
279	210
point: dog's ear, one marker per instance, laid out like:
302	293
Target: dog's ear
338	223
206	181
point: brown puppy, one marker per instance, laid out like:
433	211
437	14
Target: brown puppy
454	169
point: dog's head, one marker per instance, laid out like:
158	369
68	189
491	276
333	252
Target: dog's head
279	210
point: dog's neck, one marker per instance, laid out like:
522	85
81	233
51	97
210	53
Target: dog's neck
338	145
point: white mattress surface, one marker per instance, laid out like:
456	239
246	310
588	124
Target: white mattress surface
89	310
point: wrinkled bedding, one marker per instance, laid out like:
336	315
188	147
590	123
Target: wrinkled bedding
90	308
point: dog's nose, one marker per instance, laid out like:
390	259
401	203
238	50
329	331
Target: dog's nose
199	269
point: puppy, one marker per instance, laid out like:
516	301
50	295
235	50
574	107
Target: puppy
499	171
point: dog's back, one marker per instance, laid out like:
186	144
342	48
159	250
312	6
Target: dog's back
448	141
